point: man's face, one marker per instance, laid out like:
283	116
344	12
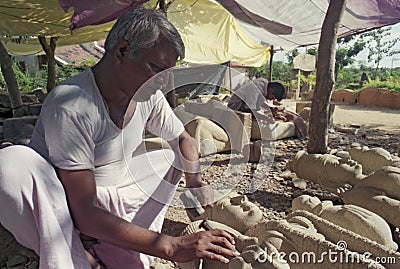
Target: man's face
270	94
147	64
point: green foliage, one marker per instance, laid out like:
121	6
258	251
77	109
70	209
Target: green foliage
347	48
280	71
349	78
380	45
29	81
391	83
309	80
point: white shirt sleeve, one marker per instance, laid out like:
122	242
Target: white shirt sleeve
162	121
68	136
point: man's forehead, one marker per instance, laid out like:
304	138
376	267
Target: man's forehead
163	51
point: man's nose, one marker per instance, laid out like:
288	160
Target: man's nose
162	78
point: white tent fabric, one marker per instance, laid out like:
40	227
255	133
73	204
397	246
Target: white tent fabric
215	36
305	18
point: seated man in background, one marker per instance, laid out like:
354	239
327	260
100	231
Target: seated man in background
252	96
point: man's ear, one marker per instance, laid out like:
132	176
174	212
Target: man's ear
121	50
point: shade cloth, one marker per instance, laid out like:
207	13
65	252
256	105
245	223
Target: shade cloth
213	31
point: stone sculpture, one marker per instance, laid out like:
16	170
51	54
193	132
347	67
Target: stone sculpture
351	217
304	235
333	173
303	240
235	211
380	193
372	159
241	242
209	137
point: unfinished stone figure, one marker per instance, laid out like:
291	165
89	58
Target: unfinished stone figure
247	246
380	193
333	173
353	243
303	232
209	137
351	217
235	211
372	159
299	243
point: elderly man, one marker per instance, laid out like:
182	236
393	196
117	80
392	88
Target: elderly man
80	175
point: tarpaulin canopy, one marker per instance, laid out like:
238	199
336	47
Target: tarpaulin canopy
212	38
22	21
210	33
291	23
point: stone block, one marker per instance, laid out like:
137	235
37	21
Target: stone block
236	124
302	104
33	109
18	128
273	131
29	99
5	100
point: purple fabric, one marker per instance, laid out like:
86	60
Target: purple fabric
243	14
93	12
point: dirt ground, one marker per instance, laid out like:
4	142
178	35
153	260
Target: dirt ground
377	127
369	117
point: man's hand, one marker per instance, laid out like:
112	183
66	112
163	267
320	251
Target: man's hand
214	244
202	191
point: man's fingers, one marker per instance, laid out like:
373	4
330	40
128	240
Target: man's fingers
224	238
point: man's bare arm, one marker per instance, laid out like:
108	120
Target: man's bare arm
80	188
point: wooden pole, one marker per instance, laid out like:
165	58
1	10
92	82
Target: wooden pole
318	128
271	56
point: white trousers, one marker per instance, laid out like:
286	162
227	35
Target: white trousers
34	207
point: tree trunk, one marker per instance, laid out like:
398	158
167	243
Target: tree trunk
318	128
11	81
51	61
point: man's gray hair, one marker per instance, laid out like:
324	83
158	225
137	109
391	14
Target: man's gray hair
141	28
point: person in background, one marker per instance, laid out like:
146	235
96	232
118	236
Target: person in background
251	98
81	178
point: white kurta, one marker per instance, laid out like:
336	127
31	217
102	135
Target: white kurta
74	132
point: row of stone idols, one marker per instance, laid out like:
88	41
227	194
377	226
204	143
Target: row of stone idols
369	178
314	235
317	234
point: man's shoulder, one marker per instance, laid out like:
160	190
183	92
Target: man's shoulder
75	94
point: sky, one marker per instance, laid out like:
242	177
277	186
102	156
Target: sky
386	62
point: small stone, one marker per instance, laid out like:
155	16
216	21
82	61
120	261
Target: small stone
299	183
355	126
355	145
347	130
343	154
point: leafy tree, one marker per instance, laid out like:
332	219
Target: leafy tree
291	55
347	48
380	45
280	71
